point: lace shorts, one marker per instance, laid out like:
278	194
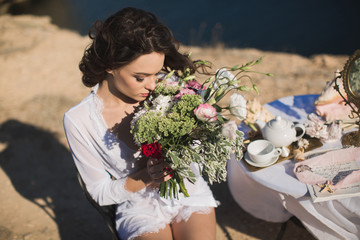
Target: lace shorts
152	213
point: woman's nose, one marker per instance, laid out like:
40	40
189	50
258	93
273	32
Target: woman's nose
151	83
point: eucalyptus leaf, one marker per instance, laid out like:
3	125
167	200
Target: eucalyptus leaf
174	157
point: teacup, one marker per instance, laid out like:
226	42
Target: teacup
262	151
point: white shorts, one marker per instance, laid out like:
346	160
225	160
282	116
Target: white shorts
149	212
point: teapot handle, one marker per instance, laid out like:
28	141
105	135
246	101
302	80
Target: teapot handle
302	133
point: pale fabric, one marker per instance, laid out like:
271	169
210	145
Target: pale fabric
333	158
98	153
274	194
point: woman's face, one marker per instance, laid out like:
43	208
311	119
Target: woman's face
137	79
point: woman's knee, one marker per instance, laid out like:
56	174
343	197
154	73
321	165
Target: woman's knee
199	226
162	234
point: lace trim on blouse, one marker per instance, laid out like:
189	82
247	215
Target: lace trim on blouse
111	141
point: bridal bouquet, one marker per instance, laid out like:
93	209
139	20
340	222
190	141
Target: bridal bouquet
183	122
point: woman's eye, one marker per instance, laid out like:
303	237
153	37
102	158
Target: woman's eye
139	79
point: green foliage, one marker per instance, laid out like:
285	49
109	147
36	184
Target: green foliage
162	89
185	140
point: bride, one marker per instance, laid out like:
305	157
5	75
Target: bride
122	64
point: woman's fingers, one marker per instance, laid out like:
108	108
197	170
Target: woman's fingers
159	170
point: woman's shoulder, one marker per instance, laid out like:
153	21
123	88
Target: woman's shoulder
83	112
81	107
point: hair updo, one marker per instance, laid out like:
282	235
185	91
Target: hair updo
125	36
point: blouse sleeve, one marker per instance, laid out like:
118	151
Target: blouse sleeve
98	182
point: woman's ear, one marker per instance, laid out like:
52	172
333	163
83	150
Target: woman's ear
109	71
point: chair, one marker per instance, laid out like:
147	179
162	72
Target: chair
107	212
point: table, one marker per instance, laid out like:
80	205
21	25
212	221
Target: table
274	194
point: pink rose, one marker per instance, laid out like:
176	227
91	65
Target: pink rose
195	85
183	92
205	112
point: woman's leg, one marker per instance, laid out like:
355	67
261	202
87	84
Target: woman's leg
199	226
162	234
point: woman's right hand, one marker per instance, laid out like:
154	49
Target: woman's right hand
159	171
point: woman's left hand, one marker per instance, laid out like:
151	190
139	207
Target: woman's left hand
159	170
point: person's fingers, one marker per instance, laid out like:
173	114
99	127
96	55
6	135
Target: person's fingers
161	167
168	177
159	170
163	178
151	162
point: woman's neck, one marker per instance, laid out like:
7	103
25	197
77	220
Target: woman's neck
114	99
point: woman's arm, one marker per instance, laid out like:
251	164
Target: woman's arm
101	187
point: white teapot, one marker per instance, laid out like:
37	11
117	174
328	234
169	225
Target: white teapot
281	132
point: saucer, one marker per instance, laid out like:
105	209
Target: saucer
265	164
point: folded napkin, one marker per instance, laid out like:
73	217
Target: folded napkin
338	168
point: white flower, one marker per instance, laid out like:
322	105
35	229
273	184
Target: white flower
229	130
223	76
137	115
162	103
238	106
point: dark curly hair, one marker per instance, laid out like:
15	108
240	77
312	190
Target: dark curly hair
125	36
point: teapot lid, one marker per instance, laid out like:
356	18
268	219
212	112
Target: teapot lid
278	122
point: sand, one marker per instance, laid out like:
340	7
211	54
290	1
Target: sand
39	80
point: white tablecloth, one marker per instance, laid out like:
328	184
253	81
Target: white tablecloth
274	194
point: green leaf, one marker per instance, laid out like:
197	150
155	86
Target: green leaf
245	88
249	63
256	89
220	119
234	68
174	157
169	74
239	133
217	107
245	68
259	60
189	78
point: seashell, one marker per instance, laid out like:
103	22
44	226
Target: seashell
335	132
329	94
256	111
330	105
299	154
315	127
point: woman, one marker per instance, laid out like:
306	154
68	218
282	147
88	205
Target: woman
122	64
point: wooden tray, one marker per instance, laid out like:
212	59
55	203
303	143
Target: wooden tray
313	144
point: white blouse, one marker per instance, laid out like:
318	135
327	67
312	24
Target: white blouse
97	153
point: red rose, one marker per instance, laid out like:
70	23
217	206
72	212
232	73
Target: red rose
151	150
